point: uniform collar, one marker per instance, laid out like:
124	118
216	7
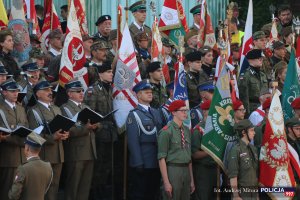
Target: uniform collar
144	106
76	103
54	52
138	26
11	105
44	104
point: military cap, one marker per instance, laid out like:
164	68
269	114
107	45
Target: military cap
296	103
166	42
242	125
292	122
34	37
141	36
102	19
98	45
254	54
34	140
286	31
10	85
258	35
73	84
140	5
236	104
205	49
267	104
55	34
36	53
193	56
87	37
175	105
113	35
142	85
2	69
278	45
104	67
30	66
41	85
196	9
267	29
170	86
153	66
206	86
205	105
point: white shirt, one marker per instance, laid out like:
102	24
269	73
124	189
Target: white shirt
168	59
198	27
76	103
55	52
138	26
11	105
255	117
145	106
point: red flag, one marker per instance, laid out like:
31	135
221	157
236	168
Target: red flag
81	16
3	16
30	11
73	58
275	168
51	22
294	158
119	25
156	46
298	50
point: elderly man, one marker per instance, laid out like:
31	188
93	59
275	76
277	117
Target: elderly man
104	26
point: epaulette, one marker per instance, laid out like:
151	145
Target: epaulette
165	127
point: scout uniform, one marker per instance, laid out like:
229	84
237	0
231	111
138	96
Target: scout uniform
174	145
52	151
158	91
80	150
251	83
243	163
99	98
11	149
134	28
98	36
34	177
193	79
142	126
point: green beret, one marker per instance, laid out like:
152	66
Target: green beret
196	9
98	45
140	5
292	122
258	35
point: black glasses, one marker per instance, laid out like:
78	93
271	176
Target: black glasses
78	91
183	110
242	110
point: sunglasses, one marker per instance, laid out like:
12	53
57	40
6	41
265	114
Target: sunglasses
77	91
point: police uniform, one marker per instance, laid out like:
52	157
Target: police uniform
97	36
243	163
251	83
204	169
142	126
99	98
79	149
34	177
52	151
11	149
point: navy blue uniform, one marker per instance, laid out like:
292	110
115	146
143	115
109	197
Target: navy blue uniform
196	116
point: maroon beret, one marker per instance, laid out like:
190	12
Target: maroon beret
296	103
205	105
237	104
267	103
175	105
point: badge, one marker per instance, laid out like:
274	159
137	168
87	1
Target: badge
129	120
243	154
193	116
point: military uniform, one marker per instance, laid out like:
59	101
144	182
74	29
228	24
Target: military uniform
80	153
159	95
10	64
177	158
142	127
250	84
11	150
52	151
204	170
99	98
97	36
134	30
196	116
32	180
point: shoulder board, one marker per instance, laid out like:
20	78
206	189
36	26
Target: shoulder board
165	127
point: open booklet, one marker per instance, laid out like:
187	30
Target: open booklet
21	131
88	114
61	122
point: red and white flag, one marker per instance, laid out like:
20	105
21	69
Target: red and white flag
156	46
127	75
73	57
247	41
294	158
81	16
31	16
51	22
119	25
274	161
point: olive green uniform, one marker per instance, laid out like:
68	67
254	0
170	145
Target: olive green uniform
259	133
159	95
243	164
250	84
177	159
32	180
204	169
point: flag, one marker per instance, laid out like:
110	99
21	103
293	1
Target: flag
247	41
274	163
119	24
219	135
31	16
3	16
19	28
172	22
166	72
51	22
298	50
127	75
206	32
290	88
81	16
294	158
156	45
73	57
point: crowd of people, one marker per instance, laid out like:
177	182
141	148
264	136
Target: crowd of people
165	159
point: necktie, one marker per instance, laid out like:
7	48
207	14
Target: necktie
141	29
15	110
182	138
51	110
79	106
